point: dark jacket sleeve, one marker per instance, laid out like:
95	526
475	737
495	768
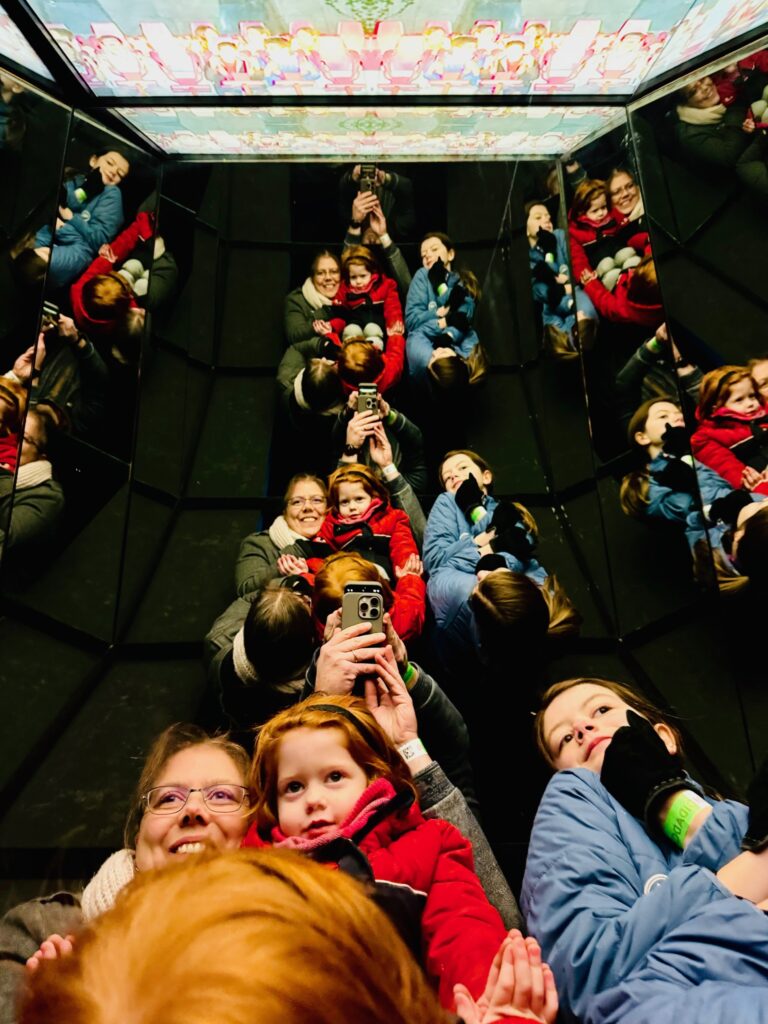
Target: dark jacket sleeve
34	516
752	167
299	318
412	464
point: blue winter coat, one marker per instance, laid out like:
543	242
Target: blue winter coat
551	313
77	242
420	309
450	556
635	932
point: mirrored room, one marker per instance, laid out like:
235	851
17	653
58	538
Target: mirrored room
445	322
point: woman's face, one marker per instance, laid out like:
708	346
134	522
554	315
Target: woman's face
538	217
703	94
113	167
458	468
359	276
326	276
305	508
580	723
624	193
167	838
432	250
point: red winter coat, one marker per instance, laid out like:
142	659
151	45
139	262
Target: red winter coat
382	292
588	241
714	438
122	246
619	307
461	931
388	530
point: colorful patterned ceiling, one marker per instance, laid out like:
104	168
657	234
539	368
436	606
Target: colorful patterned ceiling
337	48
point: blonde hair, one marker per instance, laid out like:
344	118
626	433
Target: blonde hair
367	743
247	937
716	387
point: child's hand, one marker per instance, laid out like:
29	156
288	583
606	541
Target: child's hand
750	478
562	279
55	946
412	566
65	213
321	327
587	276
519	984
442	311
291	565
107	253
748	125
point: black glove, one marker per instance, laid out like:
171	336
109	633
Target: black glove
505	516
727	509
437	275
515	542
490	562
756	836
639	771
455	317
547	241
678	476
676	441
328	349
469	496
300	584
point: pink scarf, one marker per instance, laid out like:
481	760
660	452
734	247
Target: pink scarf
376	795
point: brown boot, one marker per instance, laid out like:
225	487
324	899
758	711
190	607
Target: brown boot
558	344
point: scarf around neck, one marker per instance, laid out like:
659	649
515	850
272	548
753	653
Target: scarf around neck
34	473
375	796
701	116
113	875
282	535
313	296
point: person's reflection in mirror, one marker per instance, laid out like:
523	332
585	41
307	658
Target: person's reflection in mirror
564	310
758	367
625	196
732	436
368	226
65	371
635	299
707	131
90	216
13	405
13	121
656	368
29	515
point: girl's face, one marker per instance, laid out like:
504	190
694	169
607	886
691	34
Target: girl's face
163	838
597	210
456	469
742	397
318	783
538	217
580	723
359	276
432	249
624	193
326	276
353	499
760	377
305	508
113	167
660	416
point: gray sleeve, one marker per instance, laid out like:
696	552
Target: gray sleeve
398	266
222	633
439	798
256	563
403	496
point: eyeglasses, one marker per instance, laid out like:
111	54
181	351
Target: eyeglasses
623	191
316	502
222	797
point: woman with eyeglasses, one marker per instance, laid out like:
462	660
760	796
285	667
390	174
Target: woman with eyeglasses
312	301
192	796
303	514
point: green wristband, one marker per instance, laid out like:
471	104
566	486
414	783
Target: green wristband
409	673
681	813
391	417
653	345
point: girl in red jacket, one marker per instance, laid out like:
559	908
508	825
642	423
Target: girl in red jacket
360	518
732	436
331	784
367	303
635	299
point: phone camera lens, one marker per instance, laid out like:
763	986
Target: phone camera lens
363	607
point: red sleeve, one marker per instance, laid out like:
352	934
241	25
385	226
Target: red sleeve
122	246
394	360
410	607
393	310
607	303
461	931
579	261
708	449
401	543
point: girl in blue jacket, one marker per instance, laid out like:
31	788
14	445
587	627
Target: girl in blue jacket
91	216
439	313
486	589
646	896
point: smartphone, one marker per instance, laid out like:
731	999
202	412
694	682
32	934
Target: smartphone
368	398
367	178
50	316
363	602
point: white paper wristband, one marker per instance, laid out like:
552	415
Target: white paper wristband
411	750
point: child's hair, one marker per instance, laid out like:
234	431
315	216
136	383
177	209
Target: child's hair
250	937
586	193
177	737
752	363
15	395
468	279
360	361
643	285
716	387
635	700
320	385
449	373
300	478
106	297
322	255
364	738
356	474
633	493
339	569
478	460
279	637
513	614
358	254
